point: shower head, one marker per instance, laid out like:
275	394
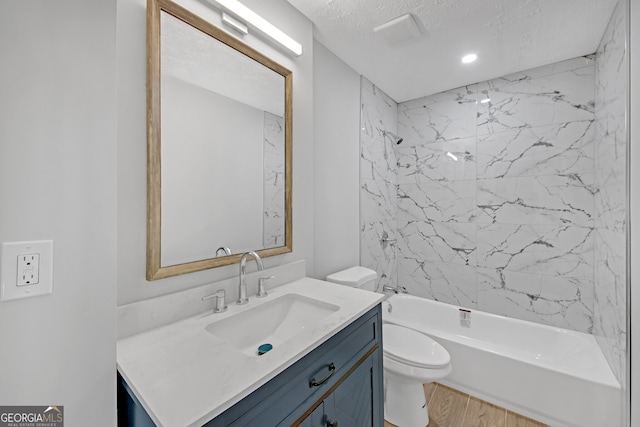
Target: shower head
395	138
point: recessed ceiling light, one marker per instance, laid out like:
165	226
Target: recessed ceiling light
467	59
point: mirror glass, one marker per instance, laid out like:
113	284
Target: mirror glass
219	147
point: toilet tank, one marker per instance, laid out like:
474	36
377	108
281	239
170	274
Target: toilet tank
357	277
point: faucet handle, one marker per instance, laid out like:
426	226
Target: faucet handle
262	292
389	288
221	305
395	289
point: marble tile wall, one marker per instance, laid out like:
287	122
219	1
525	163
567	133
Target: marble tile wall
274	213
496	190
610	201
378	183
507	195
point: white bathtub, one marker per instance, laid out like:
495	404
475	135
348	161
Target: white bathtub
553	375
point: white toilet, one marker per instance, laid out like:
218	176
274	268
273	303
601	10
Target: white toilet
410	360
357	277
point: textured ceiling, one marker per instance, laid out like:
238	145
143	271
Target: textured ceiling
507	36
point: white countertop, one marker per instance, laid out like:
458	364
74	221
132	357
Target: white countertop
185	376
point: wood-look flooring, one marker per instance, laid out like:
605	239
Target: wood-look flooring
451	408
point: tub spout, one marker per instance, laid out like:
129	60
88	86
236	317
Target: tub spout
395	289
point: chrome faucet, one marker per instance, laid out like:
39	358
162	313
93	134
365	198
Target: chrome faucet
225	250
242	288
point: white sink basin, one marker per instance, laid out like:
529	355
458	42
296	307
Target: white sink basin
273	322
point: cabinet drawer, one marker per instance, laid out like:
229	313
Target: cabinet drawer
282	395
351	401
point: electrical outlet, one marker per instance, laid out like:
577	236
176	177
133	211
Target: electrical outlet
26	269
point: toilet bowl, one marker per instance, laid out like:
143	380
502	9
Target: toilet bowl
410	360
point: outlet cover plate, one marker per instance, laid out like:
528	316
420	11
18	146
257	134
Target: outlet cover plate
9	287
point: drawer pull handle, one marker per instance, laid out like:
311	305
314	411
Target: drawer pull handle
332	370
332	424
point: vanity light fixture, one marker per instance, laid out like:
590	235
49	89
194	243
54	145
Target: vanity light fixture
259	23
235	24
468	59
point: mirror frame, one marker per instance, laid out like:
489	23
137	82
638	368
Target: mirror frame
154	268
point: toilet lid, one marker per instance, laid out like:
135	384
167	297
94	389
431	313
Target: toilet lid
413	348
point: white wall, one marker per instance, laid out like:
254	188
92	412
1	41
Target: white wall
131	63
58	181
634	225
336	151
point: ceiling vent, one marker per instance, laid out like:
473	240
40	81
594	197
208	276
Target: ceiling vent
399	30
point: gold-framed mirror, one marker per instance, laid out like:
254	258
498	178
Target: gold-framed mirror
219	146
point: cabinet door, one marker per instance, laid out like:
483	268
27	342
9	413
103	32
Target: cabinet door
351	404
315	419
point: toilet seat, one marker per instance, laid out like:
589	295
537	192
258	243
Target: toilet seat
410	347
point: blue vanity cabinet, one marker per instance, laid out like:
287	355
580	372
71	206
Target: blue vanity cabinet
350	404
315	419
340	380
290	400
